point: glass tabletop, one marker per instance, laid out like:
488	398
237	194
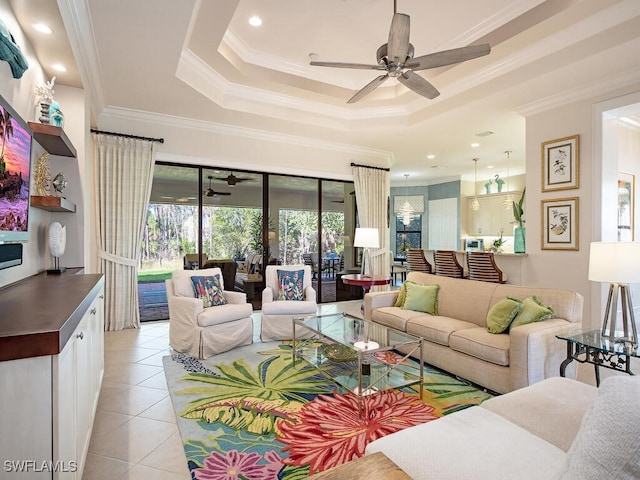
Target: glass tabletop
357	333
594	339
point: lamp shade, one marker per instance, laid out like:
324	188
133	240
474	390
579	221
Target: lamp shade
367	238
614	262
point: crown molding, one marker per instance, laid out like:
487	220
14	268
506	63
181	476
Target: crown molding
77	22
244	132
576	94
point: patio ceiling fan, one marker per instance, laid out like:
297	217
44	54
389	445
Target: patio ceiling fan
231	179
210	192
396	57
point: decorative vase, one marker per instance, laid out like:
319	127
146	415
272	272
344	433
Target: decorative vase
44	113
518	241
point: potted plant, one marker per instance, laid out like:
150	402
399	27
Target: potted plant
519	231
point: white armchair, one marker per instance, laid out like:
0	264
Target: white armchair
202	332
277	314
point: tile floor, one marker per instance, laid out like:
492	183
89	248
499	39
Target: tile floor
135	435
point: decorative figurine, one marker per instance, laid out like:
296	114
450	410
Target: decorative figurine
487	187
499	182
56	117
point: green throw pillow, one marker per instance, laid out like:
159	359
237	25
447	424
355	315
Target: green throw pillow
421	298
402	294
532	311
502	314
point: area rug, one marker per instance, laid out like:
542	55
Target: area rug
250	414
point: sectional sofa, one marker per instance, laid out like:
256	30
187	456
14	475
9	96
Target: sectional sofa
457	339
556	429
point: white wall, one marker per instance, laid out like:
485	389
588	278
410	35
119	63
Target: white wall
568	269
20	94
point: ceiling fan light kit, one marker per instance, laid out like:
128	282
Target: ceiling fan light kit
396	57
210	192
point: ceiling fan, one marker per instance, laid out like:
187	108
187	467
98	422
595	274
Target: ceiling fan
396	57
210	192
231	179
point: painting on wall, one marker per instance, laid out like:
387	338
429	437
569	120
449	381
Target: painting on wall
560	224
560	164
626	206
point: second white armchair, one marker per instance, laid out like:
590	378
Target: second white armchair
288	294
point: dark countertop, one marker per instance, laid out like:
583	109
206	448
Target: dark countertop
39	314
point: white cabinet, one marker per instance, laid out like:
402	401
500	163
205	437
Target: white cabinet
49	386
77	377
492	215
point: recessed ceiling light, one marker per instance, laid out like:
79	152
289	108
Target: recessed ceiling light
255	21
59	68
474	145
42	28
489	166
431	157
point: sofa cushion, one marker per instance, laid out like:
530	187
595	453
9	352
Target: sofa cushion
224	313
471	444
532	311
282	307
434	328
608	444
394	317
421	298
502	314
208	289
479	343
290	285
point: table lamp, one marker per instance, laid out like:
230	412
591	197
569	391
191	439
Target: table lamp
366	238
616	263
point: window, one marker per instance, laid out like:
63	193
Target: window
408	236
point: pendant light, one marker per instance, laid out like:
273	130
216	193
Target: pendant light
507	203
406	211
475	205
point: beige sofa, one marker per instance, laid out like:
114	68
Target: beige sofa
457	339
556	429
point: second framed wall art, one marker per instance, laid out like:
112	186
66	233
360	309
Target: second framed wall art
560	164
560	224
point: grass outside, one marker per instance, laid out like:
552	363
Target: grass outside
154	276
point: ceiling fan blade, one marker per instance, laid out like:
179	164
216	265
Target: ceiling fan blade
360	66
370	87
448	57
418	84
398	44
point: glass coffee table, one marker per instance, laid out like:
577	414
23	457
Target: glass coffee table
592	347
363	357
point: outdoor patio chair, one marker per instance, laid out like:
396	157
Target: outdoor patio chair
287	294
202	331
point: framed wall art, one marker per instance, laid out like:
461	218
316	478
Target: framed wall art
560	164
626	206
560	224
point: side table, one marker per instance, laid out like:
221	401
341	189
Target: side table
592	347
366	282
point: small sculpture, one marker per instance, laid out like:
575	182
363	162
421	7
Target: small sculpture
59	183
499	182
56	117
487	187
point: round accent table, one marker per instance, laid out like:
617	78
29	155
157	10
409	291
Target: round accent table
366	282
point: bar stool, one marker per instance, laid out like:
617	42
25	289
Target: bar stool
482	266
417	261
447	264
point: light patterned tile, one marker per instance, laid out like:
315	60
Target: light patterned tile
98	467
130	373
133	401
140	472
163	410
159	381
169	456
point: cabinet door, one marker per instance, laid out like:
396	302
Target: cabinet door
84	410
64	409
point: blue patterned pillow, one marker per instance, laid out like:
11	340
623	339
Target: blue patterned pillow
290	284
209	290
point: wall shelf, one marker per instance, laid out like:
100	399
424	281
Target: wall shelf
53	139
53	204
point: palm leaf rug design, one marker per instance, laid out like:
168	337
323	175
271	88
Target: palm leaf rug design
250	414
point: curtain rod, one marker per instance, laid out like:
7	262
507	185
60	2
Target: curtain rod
369	166
125	135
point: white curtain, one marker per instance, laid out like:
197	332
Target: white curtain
372	197
124	173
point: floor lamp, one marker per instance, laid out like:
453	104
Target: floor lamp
366	238
616	263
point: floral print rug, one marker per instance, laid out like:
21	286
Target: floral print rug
250	414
